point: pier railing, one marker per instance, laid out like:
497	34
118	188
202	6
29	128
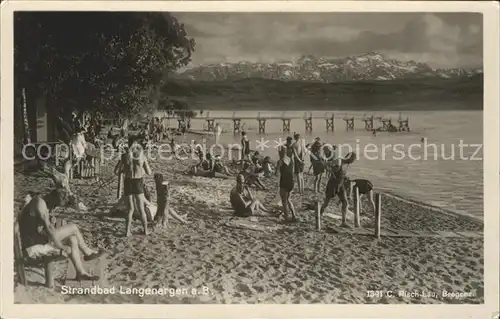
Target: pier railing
308	117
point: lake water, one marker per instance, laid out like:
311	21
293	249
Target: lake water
455	184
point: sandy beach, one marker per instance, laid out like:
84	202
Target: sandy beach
288	263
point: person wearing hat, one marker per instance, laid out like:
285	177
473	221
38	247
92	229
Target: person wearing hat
336	185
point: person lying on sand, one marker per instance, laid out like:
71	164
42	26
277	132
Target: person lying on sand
336	185
207	168
243	202
286	183
134	165
364	186
39	236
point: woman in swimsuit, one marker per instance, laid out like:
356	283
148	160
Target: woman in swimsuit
134	166
243	202
245	151
285	167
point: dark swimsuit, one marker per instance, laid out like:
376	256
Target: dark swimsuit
363	185
32	229
132	186
246	146
286	177
335	185
239	209
316	161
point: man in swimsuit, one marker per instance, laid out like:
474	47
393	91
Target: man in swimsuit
285	168
364	186
243	201
134	166
298	161
336	185
39	236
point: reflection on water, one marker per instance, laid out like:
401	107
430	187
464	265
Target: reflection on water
454	184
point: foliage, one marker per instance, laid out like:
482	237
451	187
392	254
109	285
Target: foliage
98	60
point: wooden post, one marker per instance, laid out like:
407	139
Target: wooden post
357	206
49	274
119	188
162	200
378	213
18	254
71	171
318	216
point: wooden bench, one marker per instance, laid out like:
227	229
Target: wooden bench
22	261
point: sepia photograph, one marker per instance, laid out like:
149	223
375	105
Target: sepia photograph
247	157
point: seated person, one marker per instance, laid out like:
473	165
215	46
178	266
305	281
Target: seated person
255	159
39	237
267	167
206	168
252	175
243	202
219	166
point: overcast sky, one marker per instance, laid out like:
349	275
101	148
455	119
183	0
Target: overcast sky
439	39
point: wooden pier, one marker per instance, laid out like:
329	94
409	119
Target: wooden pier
308	118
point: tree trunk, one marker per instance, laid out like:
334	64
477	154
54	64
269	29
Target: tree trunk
24	105
162	200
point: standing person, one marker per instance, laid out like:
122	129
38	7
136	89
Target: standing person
245	149
134	166
317	162
336	185
285	168
298	161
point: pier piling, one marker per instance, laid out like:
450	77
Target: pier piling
330	123
368	123
309	123
349	123
236	126
210	125
262	126
286	125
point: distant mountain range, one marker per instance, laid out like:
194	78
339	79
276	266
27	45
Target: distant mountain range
370	66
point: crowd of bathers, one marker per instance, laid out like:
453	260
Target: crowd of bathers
40	236
290	167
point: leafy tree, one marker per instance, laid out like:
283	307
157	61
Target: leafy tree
104	61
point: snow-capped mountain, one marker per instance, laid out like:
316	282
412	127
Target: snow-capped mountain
370	66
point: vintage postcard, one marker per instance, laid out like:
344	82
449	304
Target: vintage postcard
251	159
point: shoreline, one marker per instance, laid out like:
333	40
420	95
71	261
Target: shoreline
437	209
